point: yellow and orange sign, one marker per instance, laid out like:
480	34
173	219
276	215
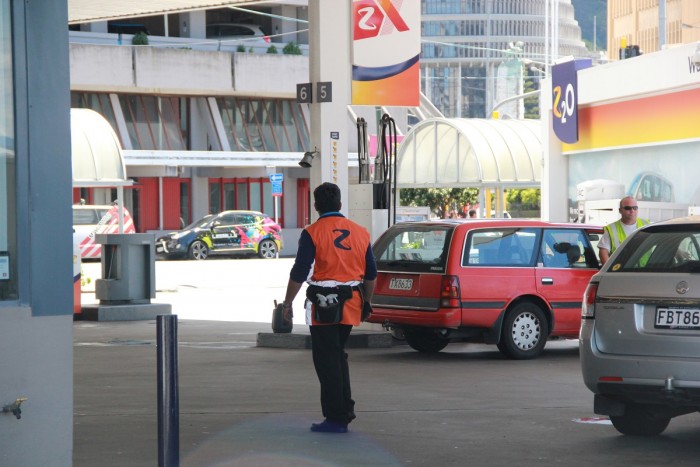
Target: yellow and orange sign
386	49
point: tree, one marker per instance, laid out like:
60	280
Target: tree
529	198
291	48
532	103
140	38
440	200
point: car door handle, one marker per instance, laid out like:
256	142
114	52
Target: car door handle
547	281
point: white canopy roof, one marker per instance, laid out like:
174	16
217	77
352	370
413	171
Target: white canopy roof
96	151
86	11
463	153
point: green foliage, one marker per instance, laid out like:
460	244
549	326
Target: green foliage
584	12
532	104
439	200
529	198
272	49
84	280
291	48
240	48
250	50
140	38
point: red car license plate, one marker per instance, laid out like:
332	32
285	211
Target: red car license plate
400	284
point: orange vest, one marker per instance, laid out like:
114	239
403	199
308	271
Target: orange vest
341	246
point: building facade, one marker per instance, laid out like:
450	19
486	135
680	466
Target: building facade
203	122
638	22
464	43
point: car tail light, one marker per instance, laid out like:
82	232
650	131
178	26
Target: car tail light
450	294
266	39
589	296
611	379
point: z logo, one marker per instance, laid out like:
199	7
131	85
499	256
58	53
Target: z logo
338	242
374	16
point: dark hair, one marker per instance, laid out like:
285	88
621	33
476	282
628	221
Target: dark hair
472	213
327	198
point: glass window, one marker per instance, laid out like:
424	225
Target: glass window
153	122
8	218
268	200
275	125
255	196
661	249
242	195
229	196
501	247
414	248
226	220
214	197
567	248
184	203
100	103
246	219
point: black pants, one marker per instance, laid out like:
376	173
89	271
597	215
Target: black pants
331	363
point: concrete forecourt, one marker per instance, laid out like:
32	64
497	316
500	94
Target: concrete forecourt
245	404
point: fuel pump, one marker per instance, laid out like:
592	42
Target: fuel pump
385	168
363	160
384	174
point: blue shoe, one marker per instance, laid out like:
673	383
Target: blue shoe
329	426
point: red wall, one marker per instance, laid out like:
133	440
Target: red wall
171	203
148	219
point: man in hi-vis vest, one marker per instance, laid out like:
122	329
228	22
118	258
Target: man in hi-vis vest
614	234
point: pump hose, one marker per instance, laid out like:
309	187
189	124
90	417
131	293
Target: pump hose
389	165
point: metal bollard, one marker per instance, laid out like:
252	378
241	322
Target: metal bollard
168	400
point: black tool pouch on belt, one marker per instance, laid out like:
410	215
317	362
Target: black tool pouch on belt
328	302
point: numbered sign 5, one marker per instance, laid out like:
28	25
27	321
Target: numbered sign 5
324	91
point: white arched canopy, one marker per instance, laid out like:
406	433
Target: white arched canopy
465	153
96	151
96	155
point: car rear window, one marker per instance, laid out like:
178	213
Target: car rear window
414	247
88	216
660	249
501	247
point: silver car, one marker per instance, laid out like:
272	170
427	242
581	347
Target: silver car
640	329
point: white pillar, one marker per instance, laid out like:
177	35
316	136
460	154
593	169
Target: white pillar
193	24
555	169
329	61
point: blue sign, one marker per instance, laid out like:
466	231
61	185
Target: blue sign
565	102
276	188
276	178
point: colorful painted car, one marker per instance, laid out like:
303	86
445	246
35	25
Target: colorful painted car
514	283
227	233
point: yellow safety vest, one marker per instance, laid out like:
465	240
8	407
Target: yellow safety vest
621	235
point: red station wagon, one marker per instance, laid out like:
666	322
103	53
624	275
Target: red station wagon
513	283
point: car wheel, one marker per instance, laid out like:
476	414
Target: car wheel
267	249
425	340
198	250
639	421
524	333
